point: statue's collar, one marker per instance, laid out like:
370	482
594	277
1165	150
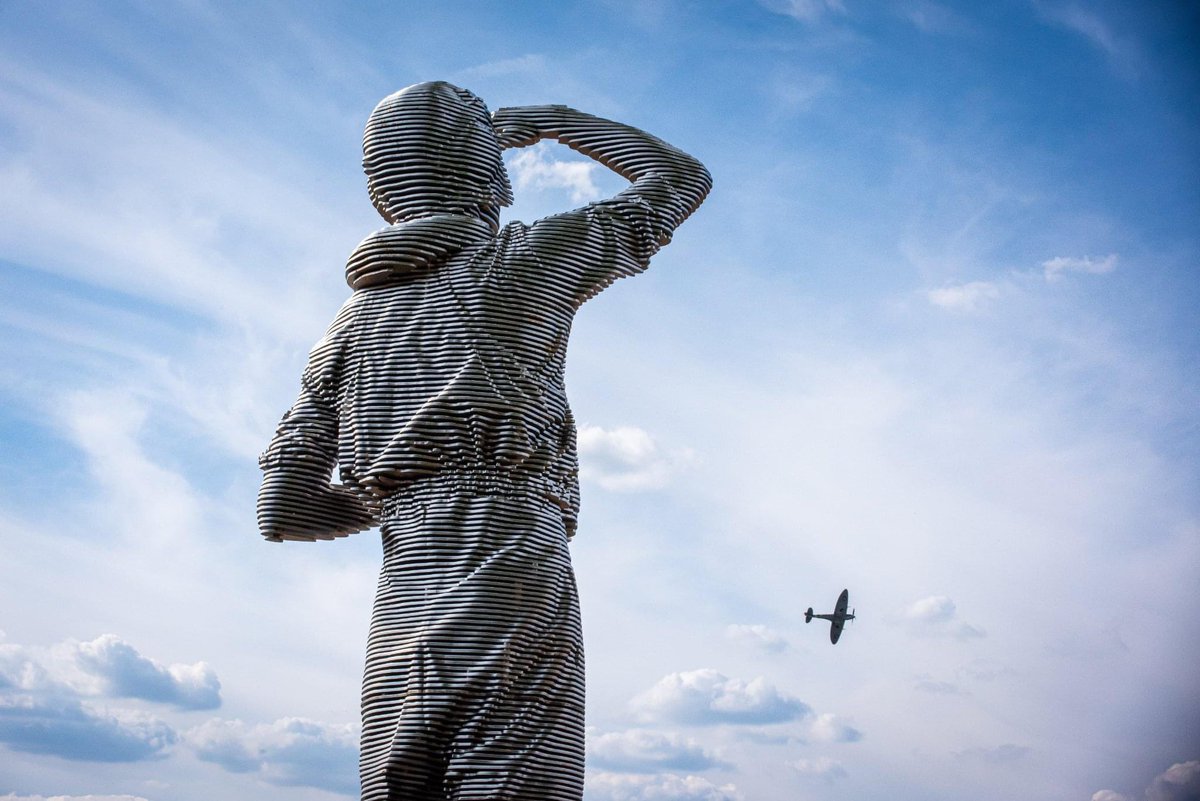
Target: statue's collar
413	246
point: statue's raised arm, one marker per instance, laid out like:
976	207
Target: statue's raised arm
614	237
631	153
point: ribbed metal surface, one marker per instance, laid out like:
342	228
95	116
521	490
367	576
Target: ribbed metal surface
438	394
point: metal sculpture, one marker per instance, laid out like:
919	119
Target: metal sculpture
438	394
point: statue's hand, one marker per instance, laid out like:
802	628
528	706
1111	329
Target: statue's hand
516	126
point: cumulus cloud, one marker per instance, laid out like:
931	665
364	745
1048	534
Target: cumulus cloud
643	751
1056	267
937	616
819	768
758	636
804	10
44	706
66	728
536	167
125	673
1180	782
109	667
665	787
963	298
624	459
291	752
830	728
706	697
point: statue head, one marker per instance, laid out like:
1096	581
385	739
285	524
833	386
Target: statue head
431	149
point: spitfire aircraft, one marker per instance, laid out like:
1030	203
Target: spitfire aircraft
837	619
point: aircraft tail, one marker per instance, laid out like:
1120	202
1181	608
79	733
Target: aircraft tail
808	615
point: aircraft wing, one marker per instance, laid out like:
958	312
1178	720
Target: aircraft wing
842	602
835	629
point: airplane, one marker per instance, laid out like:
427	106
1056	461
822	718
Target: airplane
837	619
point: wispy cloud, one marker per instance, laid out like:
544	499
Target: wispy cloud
667	787
529	64
928	684
291	752
706	697
819	768
162	214
1056	267
145	499
644	751
804	10
1122	53
964	298
758	636
932	18
1005	754
793	92
937	616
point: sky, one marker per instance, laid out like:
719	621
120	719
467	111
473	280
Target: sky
931	338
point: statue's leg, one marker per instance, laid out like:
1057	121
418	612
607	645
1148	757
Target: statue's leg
474	680
524	739
400	756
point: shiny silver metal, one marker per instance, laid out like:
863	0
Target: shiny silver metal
438	395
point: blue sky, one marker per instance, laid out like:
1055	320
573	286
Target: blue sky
932	337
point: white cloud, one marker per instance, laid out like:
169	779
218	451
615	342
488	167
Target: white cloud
625	459
964	298
535	167
108	667
705	696
1180	782
155	207
804	10
529	64
291	752
144	499
937	616
793	92
1056	267
1109	795
819	768
128	674
1121	52
667	787
43	708
829	728
643	751
64	727
928	684
933	18
758	636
